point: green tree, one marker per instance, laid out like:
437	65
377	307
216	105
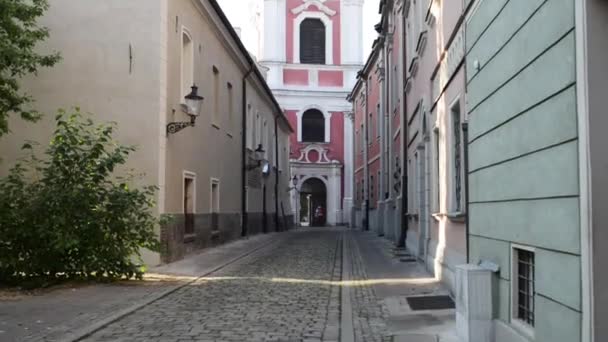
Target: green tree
68	215
19	34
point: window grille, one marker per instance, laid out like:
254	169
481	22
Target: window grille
525	286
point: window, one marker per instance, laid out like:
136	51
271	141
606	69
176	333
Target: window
362	139
370	128
395	95
312	41
250	128
230	106
313	126
258	130
187	64
523	285
216	95
378	121
189	193
437	172
215	204
457	156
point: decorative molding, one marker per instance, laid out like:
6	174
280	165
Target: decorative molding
318	4
322	151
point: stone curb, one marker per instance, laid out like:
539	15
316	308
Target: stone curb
91	329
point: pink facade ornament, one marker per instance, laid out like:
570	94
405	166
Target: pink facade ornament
315	154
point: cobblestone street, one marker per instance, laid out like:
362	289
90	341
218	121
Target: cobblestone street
281	293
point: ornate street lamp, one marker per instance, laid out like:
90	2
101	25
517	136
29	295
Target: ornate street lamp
193	105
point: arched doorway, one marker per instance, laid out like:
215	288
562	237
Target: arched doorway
313	199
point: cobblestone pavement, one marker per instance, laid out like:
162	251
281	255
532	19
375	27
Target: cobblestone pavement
286	292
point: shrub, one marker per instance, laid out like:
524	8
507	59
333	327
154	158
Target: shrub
67	215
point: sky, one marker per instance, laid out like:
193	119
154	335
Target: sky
248	14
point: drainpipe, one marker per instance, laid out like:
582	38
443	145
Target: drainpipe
465	134
404	133
277	168
244	214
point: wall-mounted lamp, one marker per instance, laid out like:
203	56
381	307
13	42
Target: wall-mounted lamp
260	161
193	105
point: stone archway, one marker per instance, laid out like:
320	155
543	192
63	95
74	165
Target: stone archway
313	195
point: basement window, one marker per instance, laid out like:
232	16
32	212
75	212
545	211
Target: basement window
523	287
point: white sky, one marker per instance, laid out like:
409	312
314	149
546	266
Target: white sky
248	14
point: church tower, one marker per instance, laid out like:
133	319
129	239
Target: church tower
313	51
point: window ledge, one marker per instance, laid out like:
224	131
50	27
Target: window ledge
215	126
457	216
229	135
522	328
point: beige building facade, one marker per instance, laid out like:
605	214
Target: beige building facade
133	63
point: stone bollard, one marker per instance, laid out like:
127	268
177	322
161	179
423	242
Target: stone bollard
473	303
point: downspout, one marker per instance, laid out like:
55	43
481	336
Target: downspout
465	134
366	154
244	214
405	223
277	168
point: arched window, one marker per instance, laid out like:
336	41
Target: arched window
313	126
312	41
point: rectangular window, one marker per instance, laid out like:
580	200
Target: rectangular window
378	121
187	64
437	172
362	138
523	285
189	193
457	157
215	204
250	128
230	107
216	96
370	129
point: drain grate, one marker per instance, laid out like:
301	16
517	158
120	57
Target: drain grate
431	303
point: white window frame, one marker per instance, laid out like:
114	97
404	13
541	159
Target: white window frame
212	182
189	175
185	90
452	176
518	324
329	34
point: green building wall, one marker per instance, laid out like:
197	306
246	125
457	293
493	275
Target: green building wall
523	168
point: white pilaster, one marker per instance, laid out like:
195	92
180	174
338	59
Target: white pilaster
275	12
352	26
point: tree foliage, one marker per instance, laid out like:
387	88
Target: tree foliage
67	215
19	35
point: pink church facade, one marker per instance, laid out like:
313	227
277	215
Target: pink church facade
312	52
